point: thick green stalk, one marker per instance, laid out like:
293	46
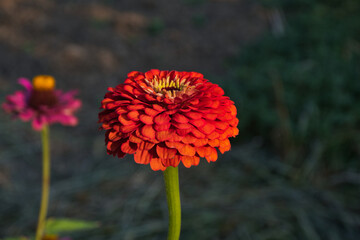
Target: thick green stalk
45	183
171	177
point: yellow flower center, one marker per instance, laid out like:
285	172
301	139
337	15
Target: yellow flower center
167	84
43	82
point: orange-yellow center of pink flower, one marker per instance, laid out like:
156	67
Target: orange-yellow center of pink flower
43	82
43	92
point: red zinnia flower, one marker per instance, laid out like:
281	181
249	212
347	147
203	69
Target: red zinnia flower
42	104
165	117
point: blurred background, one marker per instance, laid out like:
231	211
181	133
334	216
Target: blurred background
292	68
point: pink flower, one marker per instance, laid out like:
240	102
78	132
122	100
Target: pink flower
42	104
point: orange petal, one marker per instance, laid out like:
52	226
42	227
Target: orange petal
156	164
162	127
114	136
167	99
198	122
182	125
190	161
189	139
217	91
151	112
164	152
187	161
163	135
129	128
198	134
195	101
128	147
210	116
234	122
174	137
139	77
193	115
215	104
162	119
214	135
106	100
177	117
203	151
133	115
196	161
221	125
158	107
133	73
123	118
174	162
135	107
128	88
187	150
145	145
148	131
224	145
149	98
225	117
207	128
155	71
212	157
142	157
200	142
229	132
183	132
214	142
146	119
135	139
121	110
176	145
233	110
149	75
171	112
235	132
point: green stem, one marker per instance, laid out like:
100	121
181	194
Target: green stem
45	183
171	177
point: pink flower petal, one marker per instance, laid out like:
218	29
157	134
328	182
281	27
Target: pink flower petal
25	83
38	123
26	115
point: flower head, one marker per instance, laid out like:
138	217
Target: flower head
41	103
167	117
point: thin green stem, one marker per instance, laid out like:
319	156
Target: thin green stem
171	177
45	183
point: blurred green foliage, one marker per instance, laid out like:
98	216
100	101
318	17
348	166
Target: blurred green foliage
56	226
301	91
298	98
